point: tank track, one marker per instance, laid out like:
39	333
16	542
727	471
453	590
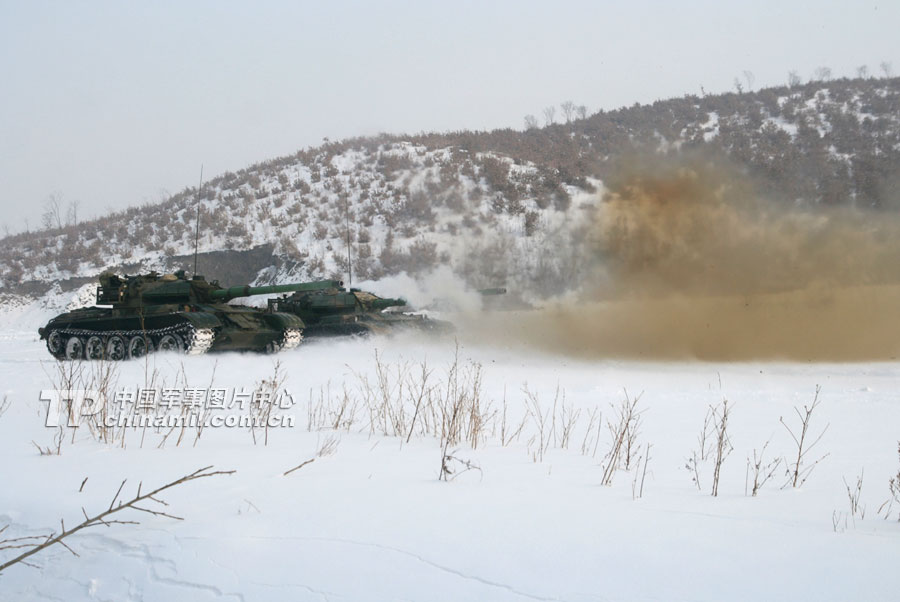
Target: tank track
197	340
292	337
200	341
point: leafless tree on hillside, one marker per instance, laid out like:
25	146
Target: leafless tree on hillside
51	217
568	109
531	122
823	73
750	79
887	68
550	114
72	213
581	111
793	79
862	72
738	86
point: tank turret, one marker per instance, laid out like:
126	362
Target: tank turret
139	314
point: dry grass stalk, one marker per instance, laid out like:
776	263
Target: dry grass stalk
638	492
799	471
722	442
508	433
204	409
540	419
595	416
265	395
894	487
299	466
421	393
853	494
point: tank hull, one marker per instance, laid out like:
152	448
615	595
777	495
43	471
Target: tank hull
372	324
104	333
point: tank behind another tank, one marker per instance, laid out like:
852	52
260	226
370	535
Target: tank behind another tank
329	309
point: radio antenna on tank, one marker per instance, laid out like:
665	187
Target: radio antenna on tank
349	252
197	231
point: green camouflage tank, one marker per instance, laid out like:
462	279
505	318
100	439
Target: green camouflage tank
329	309
139	314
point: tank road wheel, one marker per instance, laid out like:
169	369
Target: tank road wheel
115	348
94	348
171	342
55	344
139	346
74	349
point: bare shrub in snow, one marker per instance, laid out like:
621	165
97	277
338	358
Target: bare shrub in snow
799	470
98	376
723	445
452	467
761	470
894	487
463	412
565	424
328	447
623	432
713	444
139	502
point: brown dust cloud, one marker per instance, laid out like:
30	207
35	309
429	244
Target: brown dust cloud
686	261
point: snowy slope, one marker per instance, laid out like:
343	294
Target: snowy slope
415	202
409	209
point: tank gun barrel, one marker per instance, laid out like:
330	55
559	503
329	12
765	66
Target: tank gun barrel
385	303
489	292
234	292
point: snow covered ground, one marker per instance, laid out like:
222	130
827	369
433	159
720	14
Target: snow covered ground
372	521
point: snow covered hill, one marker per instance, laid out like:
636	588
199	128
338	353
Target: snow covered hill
498	208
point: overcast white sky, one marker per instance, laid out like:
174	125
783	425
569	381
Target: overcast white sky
114	103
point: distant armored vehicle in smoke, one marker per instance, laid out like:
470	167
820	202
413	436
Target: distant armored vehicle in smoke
169	313
329	309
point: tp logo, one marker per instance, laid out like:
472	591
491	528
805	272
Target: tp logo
70	406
